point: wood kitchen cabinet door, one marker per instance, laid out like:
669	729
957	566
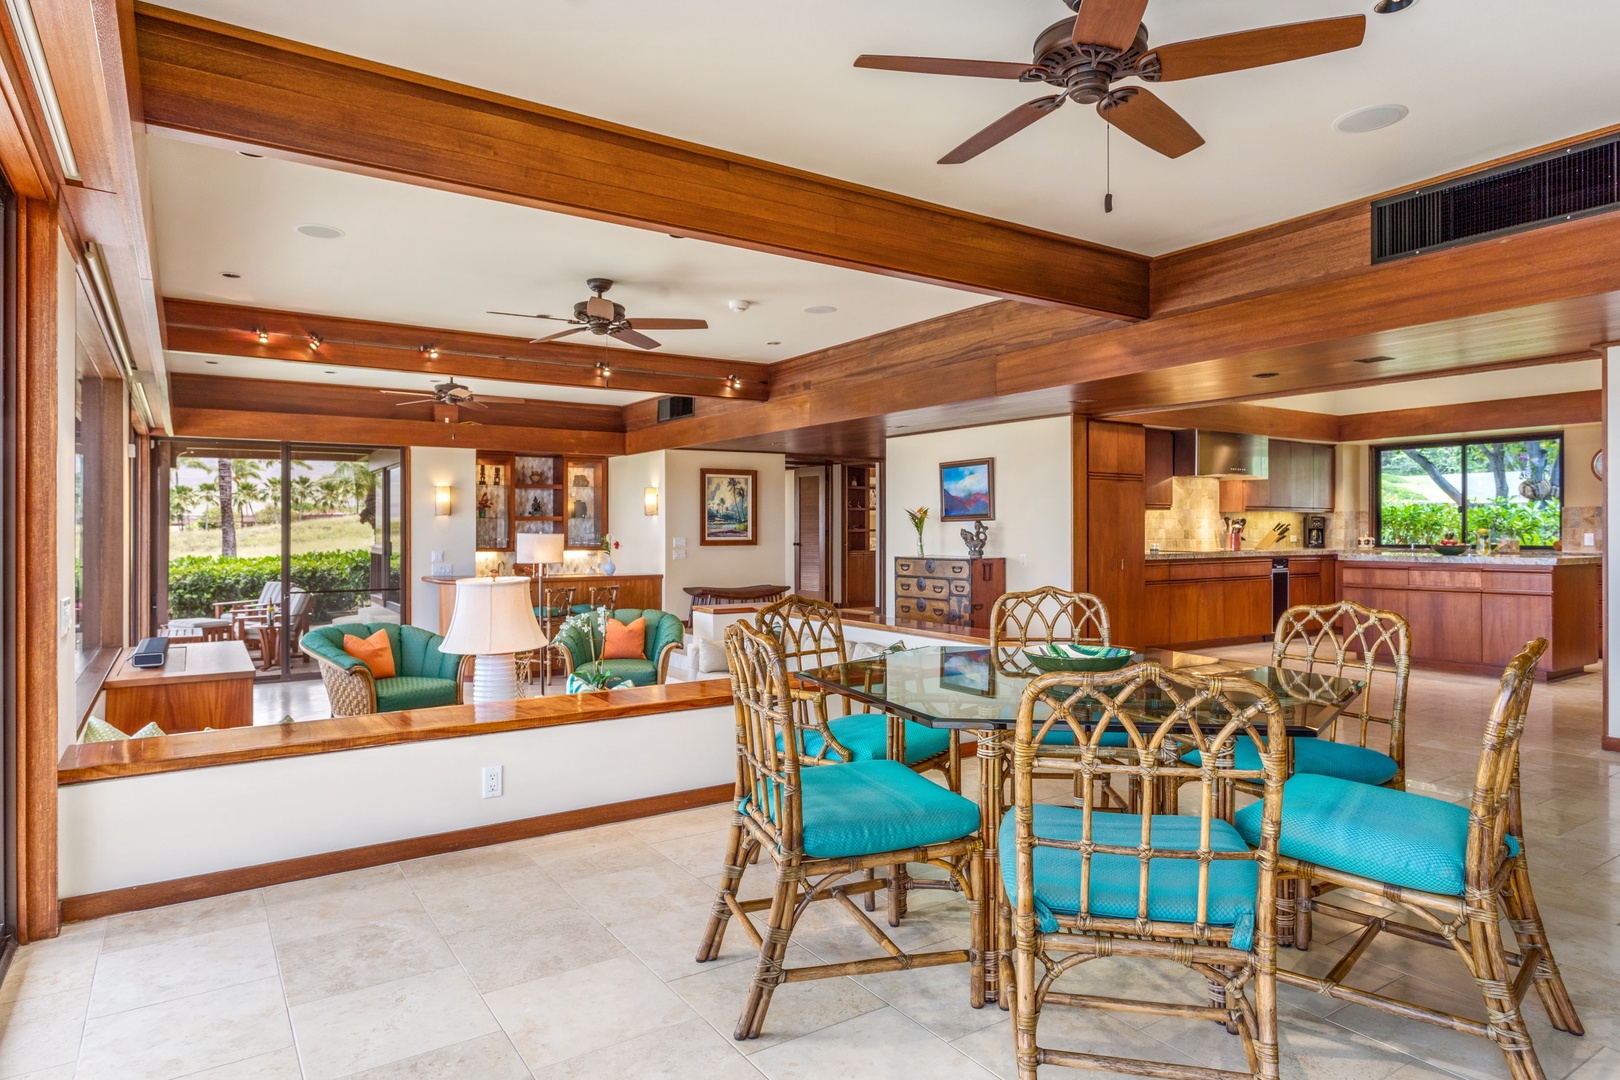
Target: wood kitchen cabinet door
1445	625
1246	608
1159	491
1115	562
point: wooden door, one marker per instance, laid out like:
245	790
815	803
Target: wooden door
810	575
1117	565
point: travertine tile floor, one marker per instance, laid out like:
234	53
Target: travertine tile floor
570	956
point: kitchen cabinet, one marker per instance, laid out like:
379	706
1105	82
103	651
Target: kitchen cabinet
1159	466
1116	532
1477	618
1189	603
1300	477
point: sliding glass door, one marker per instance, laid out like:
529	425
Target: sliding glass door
266	541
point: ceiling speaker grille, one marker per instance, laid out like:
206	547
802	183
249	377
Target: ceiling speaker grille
1560	186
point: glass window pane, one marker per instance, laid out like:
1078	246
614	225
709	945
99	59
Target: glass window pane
1419	494
1515	490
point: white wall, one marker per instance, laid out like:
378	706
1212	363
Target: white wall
641	538
750	564
1611	527
143	829
67	298
453	535
1581	487
1034	498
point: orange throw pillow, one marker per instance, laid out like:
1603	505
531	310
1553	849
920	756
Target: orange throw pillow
374	651
625	642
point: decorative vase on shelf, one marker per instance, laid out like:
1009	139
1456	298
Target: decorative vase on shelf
607	567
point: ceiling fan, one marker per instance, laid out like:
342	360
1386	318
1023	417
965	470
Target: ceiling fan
603	317
451	393
1083	57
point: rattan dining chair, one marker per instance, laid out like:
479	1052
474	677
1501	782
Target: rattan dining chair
1456	870
1044	616
1082	885
810	634
820	827
1349	641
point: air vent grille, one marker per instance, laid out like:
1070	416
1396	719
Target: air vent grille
1570	183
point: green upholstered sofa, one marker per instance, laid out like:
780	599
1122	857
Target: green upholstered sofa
425	675
665	634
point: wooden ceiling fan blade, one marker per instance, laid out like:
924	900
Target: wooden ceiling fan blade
669	324
522	315
418	401
938	65
488	400
559	334
402	393
1148	120
476	403
1109	22
1258	48
631	337
1003	129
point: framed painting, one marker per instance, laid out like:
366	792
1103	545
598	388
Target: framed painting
729	507
967	490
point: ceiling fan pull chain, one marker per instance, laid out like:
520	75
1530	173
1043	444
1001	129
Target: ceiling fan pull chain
1108	168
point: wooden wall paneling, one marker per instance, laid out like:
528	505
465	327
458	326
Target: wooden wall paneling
35	546
224	82
232	330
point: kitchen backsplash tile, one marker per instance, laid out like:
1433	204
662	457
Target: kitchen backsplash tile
1193	523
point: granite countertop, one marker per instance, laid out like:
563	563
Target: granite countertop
1392	555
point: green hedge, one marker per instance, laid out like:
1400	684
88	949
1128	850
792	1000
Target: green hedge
1424	523
340	580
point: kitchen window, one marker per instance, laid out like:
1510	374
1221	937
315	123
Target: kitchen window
1513	488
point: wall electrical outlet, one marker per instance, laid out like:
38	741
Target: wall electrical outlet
1588	539
491	786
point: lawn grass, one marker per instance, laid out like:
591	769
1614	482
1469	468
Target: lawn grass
342	533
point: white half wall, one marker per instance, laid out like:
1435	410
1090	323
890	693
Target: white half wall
640	537
681	514
453	535
143	829
1034	499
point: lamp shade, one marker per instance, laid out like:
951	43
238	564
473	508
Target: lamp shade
441	500
539	548
492	616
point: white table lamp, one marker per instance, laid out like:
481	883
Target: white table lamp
492	620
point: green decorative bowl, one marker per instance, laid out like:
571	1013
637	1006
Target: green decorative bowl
1449	549
1057	657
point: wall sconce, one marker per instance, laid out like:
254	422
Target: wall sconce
650	501
441	500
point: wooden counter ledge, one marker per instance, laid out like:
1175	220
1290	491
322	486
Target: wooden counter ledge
86	762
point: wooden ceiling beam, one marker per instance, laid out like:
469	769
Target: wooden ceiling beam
232	330
224	82
1509	414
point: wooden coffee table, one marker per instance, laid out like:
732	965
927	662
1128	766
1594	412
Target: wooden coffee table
204	684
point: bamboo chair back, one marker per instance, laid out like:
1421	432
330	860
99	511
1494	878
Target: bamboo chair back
1044	616
1493	810
1350	641
605	596
809	634
767	777
1158	711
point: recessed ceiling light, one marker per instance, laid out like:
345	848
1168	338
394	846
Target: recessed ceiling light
820	309
1268	374
246	153
319	232
773	343
1372	118
228	274
1374	359
1390	7
331	371
215	362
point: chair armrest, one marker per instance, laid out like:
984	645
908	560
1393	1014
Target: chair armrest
464	672
328	654
663	660
351	689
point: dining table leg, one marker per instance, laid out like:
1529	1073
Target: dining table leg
992	754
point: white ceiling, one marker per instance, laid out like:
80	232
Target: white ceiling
773	79
238	367
425	257
1451	389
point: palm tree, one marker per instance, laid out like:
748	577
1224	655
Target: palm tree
248	494
330	491
208	492
181	499
272	499
303	490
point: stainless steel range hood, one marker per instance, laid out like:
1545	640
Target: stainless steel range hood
1222	454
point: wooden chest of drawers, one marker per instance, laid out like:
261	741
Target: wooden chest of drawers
954	592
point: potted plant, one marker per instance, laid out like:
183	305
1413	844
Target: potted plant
588	677
609	546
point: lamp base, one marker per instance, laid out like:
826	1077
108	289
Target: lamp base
494	678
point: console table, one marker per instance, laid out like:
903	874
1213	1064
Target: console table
635	590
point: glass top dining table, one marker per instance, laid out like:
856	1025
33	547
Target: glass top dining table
961	686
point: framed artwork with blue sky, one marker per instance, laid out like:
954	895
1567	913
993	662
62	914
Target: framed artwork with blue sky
967	490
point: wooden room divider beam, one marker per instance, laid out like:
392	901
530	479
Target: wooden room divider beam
223	82
232	330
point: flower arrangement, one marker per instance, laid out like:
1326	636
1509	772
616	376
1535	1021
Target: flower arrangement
609	545
589	624
919	518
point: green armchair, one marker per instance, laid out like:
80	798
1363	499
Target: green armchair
665	634
425	676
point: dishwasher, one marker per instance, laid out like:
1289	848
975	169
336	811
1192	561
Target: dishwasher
1279	589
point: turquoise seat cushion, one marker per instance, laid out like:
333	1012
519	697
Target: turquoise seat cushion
868	807
1398	837
1172	883
639	672
866	737
414	692
1324	757
1062	735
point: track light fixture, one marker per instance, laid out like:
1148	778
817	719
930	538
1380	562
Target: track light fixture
264	336
432	351
603	369
315	342
733	382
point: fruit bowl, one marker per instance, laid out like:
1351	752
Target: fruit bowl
1060	657
1449	549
